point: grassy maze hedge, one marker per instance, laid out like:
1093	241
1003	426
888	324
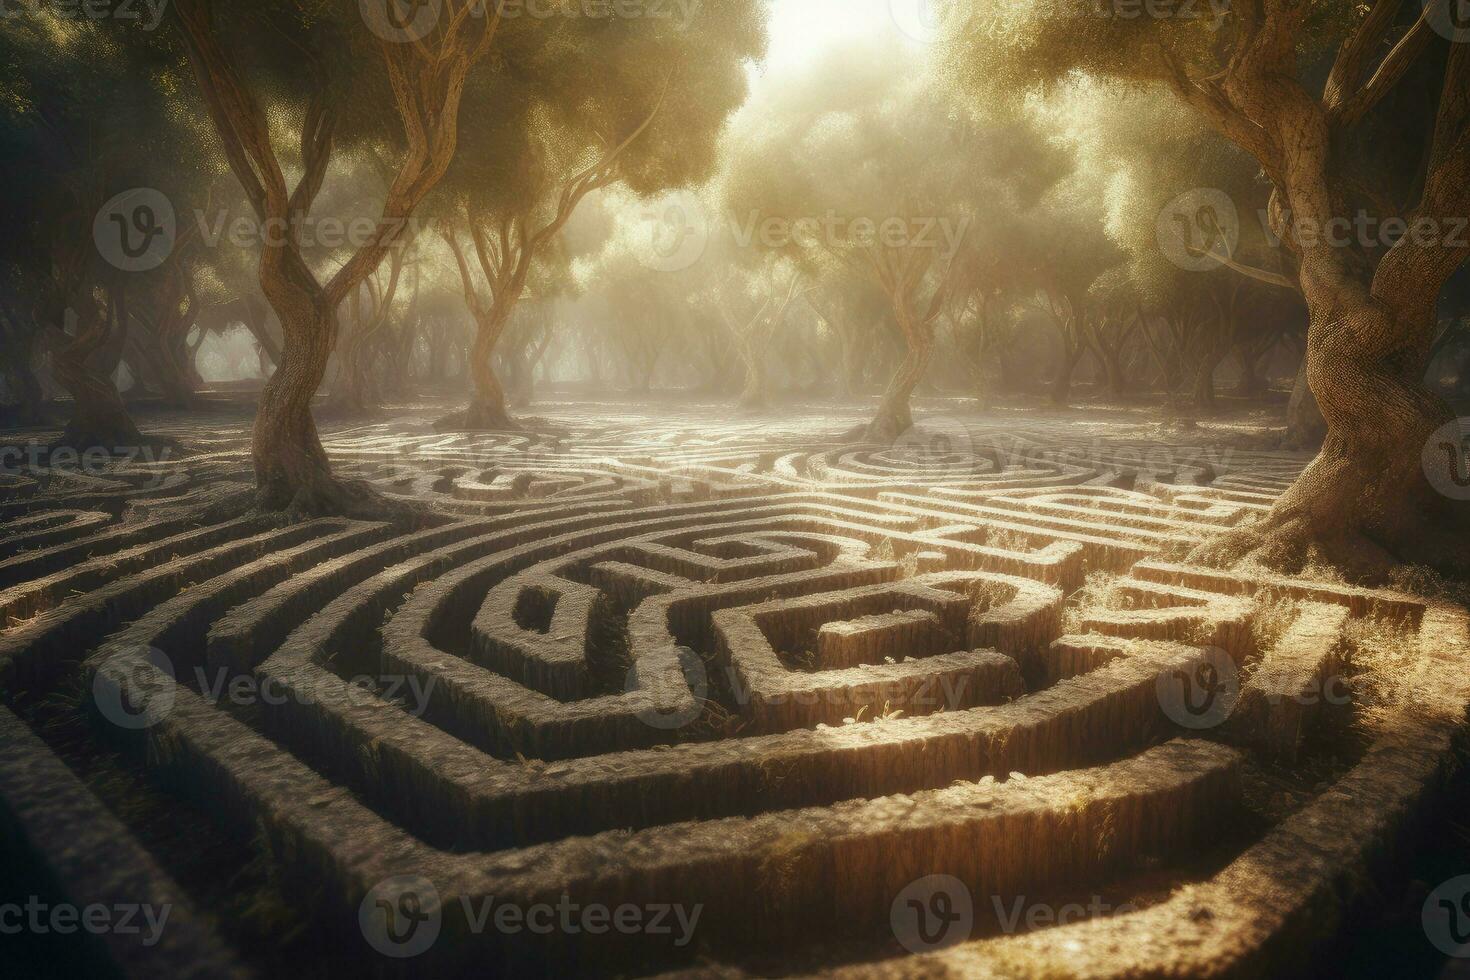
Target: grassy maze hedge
715	665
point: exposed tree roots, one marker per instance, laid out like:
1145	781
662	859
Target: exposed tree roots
114	441
326	495
479	417
1289	542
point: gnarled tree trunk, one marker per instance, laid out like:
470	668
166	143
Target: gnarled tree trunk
895	417
99	418
487	409
1305	426
427	81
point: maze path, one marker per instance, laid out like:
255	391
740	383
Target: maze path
733	668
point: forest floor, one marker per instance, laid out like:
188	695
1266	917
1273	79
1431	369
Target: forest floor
885	709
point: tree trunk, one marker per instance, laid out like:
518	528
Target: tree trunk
487	411
291	466
1370	477
895	415
99	417
1305	426
754	394
1117	381
1251	384
1378	494
253	315
1061	386
1204	382
21	342
595	380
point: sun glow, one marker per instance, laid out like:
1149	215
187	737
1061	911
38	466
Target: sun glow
802	30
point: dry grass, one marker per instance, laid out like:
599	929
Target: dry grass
1272	616
1099	592
1428	584
907	560
987	596
1005	539
1389	673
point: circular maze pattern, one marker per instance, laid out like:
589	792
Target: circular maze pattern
731	668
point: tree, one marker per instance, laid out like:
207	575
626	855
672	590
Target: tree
89	112
873	170
770	290
337	79
586	103
1368	499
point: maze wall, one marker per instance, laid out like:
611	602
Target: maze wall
846	702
